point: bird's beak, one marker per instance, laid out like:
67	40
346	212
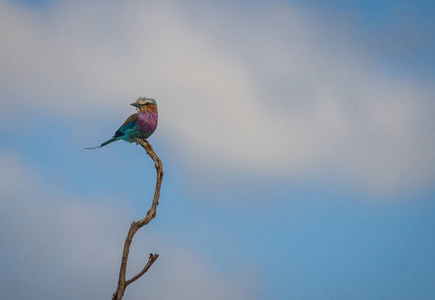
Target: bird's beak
135	105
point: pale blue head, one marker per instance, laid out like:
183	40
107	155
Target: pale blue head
145	105
144	101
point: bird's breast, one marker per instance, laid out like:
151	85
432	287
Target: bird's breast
147	123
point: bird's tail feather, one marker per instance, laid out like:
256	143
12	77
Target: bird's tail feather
104	144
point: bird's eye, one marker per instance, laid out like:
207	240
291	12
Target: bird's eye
147	103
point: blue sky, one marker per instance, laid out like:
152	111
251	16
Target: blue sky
297	140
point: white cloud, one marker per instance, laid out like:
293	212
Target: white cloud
238	91
62	247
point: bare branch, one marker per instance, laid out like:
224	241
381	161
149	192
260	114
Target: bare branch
135	226
151	260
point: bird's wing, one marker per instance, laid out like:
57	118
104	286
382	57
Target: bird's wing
131	119
130	123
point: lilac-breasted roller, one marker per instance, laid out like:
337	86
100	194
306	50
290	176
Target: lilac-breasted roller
140	125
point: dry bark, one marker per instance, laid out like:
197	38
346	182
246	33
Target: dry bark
135	226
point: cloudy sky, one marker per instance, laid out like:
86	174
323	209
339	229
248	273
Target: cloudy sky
297	137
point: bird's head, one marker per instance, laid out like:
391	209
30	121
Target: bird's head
145	105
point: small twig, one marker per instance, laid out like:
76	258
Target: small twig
151	260
135	226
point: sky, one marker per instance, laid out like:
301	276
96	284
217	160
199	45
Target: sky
297	139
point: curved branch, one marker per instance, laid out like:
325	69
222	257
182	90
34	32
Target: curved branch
135	226
151	260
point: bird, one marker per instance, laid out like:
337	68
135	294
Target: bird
140	125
